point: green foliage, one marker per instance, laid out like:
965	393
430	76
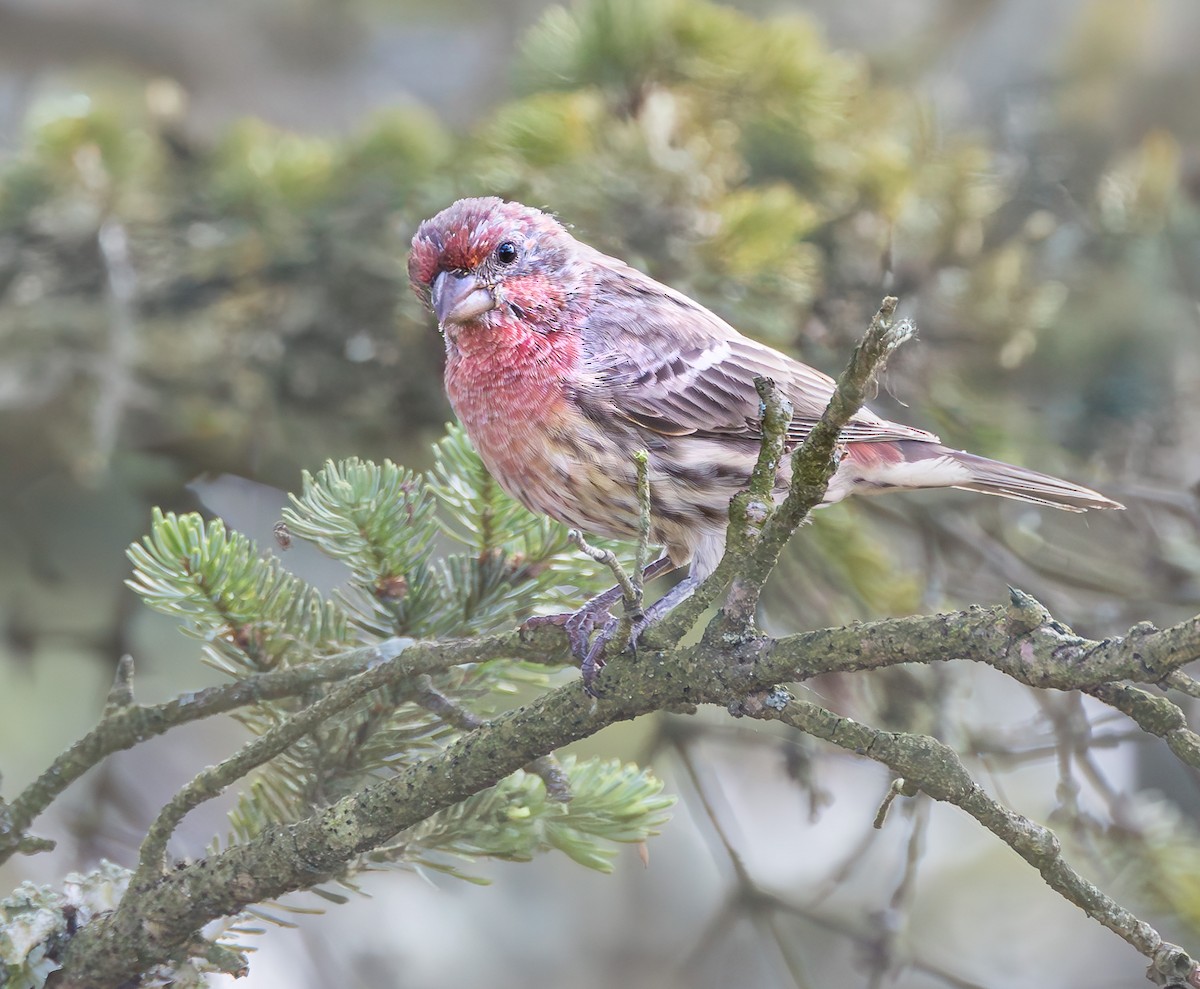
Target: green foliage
716	145
1164	844
252	613
515	819
263	173
396	531
377	519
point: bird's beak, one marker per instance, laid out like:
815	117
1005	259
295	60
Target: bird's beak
460	298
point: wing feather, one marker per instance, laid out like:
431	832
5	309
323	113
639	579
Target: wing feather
658	359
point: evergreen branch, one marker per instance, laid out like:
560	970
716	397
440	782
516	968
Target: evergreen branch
126	726
520	816
250	612
212	781
317	848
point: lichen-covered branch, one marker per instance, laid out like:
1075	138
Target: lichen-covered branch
1045	655
729	664
754	506
934	768
212	781
547	767
126	725
815	460
156	922
151	925
1155	716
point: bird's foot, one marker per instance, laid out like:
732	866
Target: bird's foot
590	630
597	615
580	624
593	661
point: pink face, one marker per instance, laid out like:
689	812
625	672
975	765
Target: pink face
460	238
504	280
483	256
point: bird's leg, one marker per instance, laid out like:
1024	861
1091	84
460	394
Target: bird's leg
593	661
580	624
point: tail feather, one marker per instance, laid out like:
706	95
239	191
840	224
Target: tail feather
1009	481
875	467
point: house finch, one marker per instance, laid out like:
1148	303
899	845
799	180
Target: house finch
561	362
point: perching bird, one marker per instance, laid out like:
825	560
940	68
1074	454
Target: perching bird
561	362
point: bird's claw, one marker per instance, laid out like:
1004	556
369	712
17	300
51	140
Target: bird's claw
588	648
597	614
593	660
578	625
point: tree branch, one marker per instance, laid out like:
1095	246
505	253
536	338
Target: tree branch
1046	655
126	725
151	926
213	780
935	769
1022	640
1155	716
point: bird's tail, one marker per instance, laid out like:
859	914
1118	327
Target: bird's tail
995	477
878	466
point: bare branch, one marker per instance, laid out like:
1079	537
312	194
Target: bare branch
936	770
1154	715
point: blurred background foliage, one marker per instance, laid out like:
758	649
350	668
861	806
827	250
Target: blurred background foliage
205	210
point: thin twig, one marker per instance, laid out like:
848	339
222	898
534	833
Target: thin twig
751	556
120	694
641	460
609	559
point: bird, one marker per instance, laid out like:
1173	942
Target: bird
562	362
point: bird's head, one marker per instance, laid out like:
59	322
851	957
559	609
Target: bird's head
481	262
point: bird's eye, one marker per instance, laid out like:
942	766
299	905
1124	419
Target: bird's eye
506	253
